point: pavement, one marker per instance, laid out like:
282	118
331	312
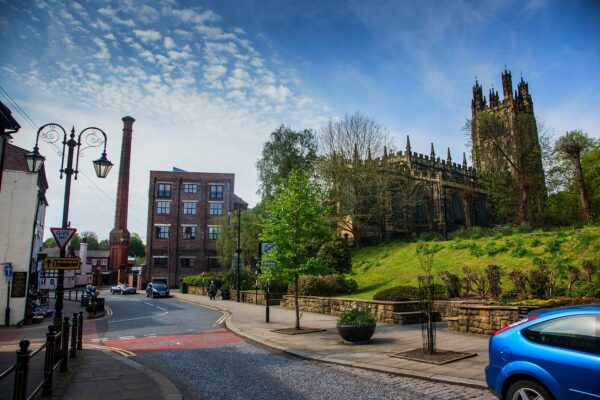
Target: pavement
100	374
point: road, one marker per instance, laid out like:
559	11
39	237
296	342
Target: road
189	346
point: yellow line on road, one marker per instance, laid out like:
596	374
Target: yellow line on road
109	311
223	318
124	353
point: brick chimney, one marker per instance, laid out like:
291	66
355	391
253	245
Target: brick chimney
119	236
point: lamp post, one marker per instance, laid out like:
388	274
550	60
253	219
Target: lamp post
51	133
238	251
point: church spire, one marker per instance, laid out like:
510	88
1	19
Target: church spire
432	154
449	158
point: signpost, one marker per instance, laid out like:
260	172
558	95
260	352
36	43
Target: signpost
8	272
264	248
63	236
62	263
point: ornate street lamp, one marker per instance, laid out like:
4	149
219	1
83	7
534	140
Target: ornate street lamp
92	137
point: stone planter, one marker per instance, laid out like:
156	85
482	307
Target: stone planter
356	333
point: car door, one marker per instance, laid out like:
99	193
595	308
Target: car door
568	348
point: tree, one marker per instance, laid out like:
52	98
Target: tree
49	243
425	253
590	162
91	239
285	151
136	246
249	237
336	256
571	147
297	224
357	181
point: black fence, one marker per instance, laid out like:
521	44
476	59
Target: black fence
57	353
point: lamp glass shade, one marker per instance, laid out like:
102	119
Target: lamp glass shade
34	161
102	166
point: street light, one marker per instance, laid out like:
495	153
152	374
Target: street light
238	250
51	133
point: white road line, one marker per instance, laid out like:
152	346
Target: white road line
151	335
150	304
126	337
160	308
111	321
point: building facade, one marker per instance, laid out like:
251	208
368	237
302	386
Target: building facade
505	138
186	212
94	268
22	214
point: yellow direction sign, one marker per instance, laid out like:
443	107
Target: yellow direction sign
62	263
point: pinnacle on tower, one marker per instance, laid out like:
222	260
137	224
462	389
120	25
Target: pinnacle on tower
385	153
507	84
449	158
464	160
408	144
432	152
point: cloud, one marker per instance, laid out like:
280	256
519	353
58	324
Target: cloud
169	43
148	35
104	53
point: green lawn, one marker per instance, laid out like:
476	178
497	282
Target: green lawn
395	263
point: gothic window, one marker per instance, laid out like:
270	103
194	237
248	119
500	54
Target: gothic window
423	205
480	210
458	213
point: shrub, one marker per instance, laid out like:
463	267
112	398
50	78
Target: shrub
451	283
536	243
203	279
481	284
355	316
477	251
553	246
336	256
247	279
519	252
583	242
519	281
541	282
509	295
459	245
573	275
586	289
467	281
492	249
589	269
494	275
328	285
398	293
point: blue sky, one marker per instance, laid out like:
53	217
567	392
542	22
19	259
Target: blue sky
208	81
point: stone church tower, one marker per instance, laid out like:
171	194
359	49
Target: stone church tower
119	236
505	141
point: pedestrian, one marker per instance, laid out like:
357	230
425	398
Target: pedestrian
212	290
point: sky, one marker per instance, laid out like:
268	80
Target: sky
208	81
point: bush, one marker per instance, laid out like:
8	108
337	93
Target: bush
247	279
494	275
398	293
519	281
356	316
336	256
509	295
203	280
451	283
477	251
536	243
519	252
328	285
541	282
586	289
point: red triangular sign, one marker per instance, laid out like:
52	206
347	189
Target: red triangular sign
62	236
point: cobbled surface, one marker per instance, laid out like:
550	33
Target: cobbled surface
246	371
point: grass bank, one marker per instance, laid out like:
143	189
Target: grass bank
396	263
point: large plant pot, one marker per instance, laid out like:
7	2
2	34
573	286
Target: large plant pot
356	333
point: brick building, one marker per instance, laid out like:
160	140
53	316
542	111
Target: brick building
186	211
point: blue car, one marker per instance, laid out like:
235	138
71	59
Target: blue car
554	354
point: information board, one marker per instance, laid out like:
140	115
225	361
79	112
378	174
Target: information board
19	284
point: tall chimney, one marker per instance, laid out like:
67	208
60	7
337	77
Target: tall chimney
119	236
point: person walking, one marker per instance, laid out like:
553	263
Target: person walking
212	290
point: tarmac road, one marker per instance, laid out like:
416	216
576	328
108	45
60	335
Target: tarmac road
187	345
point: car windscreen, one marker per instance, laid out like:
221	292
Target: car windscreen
159	286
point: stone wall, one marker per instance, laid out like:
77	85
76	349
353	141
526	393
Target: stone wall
486	320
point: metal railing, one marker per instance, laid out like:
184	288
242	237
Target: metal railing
57	355
76	294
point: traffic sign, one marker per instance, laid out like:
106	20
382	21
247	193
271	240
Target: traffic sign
70	263
63	235
8	270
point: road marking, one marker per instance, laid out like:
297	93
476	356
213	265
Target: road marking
126	337
223	318
160	308
109	310
98	339
111	321
124	353
151	335
150	304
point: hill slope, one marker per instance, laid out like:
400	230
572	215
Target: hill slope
395	263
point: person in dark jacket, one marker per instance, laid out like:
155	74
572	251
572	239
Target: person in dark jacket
212	290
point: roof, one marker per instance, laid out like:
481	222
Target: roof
14	159
7	123
55	252
238	200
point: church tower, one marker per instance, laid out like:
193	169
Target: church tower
505	140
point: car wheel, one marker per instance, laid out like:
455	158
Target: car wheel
527	390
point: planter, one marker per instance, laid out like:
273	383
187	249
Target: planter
356	333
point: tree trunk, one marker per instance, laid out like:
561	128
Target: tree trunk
585	203
297	305
524	200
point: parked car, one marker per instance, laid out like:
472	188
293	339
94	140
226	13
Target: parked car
554	354
122	288
157	289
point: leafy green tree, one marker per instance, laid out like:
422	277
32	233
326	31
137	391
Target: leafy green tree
297	223
249	237
91	239
590	162
571	146
285	151
136	246
103	244
336	256
49	243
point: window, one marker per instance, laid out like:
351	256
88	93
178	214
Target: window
187	262
162	231
161	262
215	208
216	192
213	263
189	207
164	190
579	332
189	232
94	261
104	262
213	232
163	207
190	188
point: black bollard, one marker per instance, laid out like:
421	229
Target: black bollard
73	352
22	371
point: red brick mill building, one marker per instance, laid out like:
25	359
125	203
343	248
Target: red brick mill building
186	211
